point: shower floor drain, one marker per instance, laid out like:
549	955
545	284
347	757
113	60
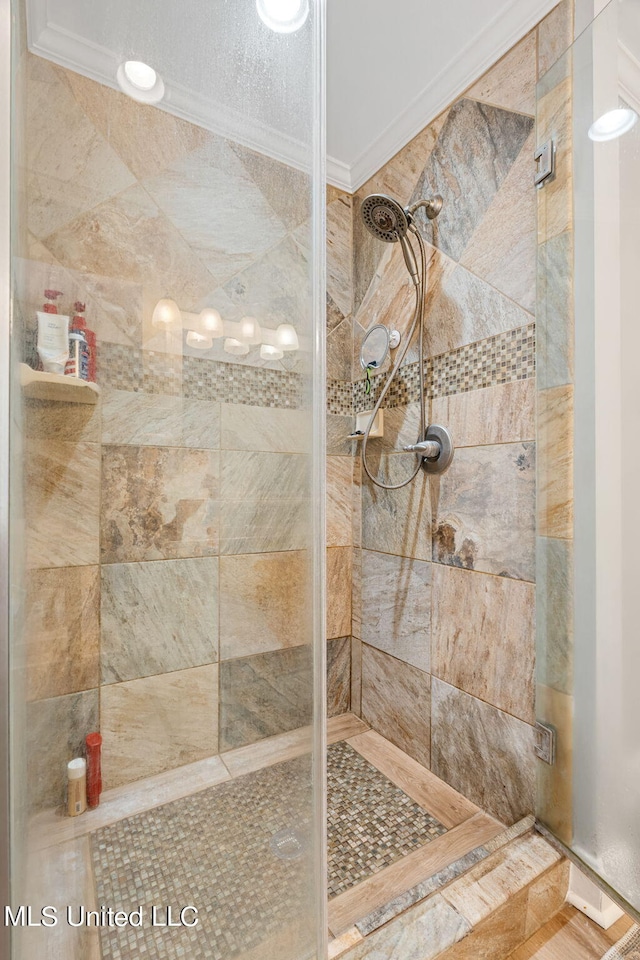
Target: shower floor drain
287	844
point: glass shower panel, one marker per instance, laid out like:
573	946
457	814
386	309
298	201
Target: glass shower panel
167	534
588	523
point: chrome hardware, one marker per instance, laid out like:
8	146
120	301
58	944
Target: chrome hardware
545	157
436	449
545	742
428	448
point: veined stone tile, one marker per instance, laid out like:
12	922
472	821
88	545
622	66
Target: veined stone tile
555	452
396	701
339	579
264	603
265	695
265	526
485	513
555	322
555	783
158	617
72	167
62	506
151	419
356	593
421	933
339	349
554	614
338	676
264	428
475	151
547	896
57	420
482	637
505	413
402	427
356	676
209	196
396	521
158	503
258	475
287	190
334	315
483	753
502	249
62	631
555	35
129	237
356	502
396	606
511	82
157	723
463	309
145	138
338	429
496	937
554	121
339	253
55	733
339	504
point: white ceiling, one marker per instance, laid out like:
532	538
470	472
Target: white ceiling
392	65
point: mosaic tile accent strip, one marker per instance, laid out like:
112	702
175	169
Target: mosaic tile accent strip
371	822
486	363
340	397
220	850
162	373
119	366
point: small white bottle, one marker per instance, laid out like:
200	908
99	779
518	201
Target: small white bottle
77	786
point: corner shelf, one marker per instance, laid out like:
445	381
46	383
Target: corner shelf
37	385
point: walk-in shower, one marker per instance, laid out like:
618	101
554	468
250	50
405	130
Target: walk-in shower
389	221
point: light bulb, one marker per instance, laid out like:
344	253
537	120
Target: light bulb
140	81
211	321
198	341
233	346
250	330
166	313
613	124
287	337
267	352
283	16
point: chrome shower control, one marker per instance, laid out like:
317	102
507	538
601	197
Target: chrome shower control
436	449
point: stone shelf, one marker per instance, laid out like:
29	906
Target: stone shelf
37	385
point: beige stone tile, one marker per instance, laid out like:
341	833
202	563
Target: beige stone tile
264	602
339	349
570	935
288	190
554	121
495	937
51	420
339	501
356	594
493	882
356	502
555	457
62	631
339	560
396	606
62	523
396	521
259	476
555	312
339	253
160	421
158	617
341	944
264	428
555	35
555	783
511	83
502	249
264	753
547	896
401	427
356	675
338	676
555	613
264	525
341	728
158	503
505	413
156	723
483	637
396	701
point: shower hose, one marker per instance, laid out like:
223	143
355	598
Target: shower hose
417	322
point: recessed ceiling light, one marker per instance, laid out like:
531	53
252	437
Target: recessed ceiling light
140	81
613	124
283	16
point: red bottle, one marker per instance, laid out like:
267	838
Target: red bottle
79	323
51	296
94	771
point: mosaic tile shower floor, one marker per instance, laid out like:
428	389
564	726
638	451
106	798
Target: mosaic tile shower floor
216	850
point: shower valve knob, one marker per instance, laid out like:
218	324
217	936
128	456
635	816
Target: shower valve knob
436	449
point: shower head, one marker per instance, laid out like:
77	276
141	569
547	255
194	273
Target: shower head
384	217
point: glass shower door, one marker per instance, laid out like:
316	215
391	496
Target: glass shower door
588	433
166	480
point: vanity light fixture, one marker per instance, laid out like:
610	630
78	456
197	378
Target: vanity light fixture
287	337
211	321
613	124
283	16
267	352
140	81
250	331
166	314
198	341
237	349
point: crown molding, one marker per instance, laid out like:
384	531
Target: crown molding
629	74
510	25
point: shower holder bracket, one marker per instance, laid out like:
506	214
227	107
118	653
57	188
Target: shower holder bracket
545	157
545	742
394	339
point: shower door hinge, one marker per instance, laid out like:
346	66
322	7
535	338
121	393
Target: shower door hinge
545	157
545	744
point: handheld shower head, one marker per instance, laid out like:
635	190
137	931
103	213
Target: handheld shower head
384	217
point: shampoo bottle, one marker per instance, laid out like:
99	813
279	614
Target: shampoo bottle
77	786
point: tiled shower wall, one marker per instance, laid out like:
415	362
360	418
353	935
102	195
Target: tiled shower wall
443	628
167	526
